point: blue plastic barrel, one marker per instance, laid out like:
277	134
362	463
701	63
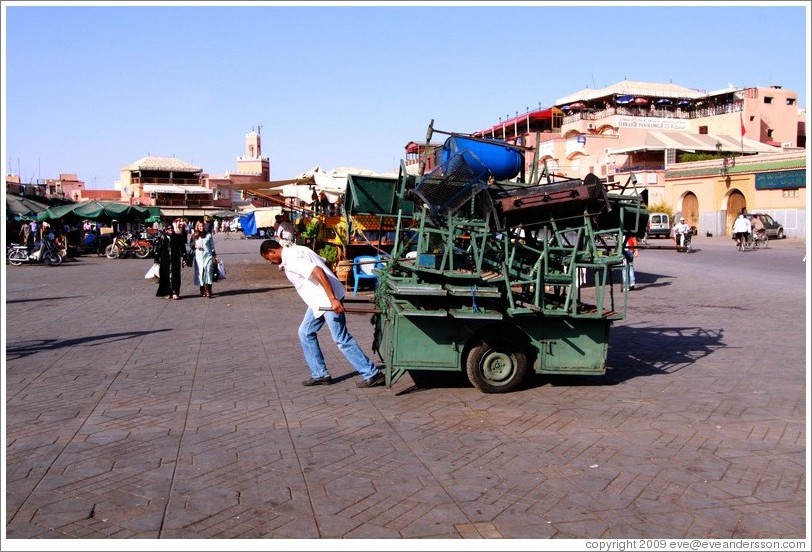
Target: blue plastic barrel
497	158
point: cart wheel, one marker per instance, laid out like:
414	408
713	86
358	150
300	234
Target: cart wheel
496	365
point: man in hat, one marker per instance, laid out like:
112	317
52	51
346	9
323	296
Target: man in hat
681	232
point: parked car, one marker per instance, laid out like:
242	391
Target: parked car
659	225
773	228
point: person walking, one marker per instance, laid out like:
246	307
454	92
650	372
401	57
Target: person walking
630	251
26	237
205	262
169	256
323	293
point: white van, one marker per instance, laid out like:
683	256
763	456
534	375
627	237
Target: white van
659	225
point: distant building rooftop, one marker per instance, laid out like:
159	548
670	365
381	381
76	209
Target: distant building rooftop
633	88
154	163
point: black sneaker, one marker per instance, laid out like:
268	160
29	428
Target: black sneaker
377	379
324	380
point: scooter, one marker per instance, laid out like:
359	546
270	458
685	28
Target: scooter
48	252
684	242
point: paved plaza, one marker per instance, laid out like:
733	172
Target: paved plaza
130	416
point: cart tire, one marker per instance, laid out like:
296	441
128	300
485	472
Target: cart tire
496	365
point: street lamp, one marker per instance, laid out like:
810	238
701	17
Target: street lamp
727	159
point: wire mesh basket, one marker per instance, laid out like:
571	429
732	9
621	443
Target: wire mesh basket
452	186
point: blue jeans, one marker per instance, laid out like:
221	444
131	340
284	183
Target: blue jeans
627	270
337	323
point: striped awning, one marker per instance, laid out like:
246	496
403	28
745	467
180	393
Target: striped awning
655	140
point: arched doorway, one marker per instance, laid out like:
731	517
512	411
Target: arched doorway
690	209
735	205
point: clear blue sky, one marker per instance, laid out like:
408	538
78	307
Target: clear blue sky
88	89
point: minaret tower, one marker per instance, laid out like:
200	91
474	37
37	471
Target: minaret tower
253	162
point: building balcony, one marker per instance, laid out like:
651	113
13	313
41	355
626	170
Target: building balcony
165	180
638	166
668	112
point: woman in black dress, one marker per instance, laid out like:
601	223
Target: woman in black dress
170	253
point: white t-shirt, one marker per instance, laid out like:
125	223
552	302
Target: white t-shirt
741	224
681	228
286	233
299	262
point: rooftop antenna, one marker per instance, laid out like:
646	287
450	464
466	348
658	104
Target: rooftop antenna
259	129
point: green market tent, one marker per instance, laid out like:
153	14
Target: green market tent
155	215
23	208
99	211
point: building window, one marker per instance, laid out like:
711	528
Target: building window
703	129
768	99
789	193
790	101
769	133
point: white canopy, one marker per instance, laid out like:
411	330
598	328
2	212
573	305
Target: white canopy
333	183
265	217
175	189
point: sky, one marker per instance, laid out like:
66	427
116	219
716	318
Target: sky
90	88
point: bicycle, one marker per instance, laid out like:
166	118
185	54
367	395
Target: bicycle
757	239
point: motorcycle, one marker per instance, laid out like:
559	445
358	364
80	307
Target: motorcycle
48	252
150	241
684	241
125	244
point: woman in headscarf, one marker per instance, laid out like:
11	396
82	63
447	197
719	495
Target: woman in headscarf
169	255
205	258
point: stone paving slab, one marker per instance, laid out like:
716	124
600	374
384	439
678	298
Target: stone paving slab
130	416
